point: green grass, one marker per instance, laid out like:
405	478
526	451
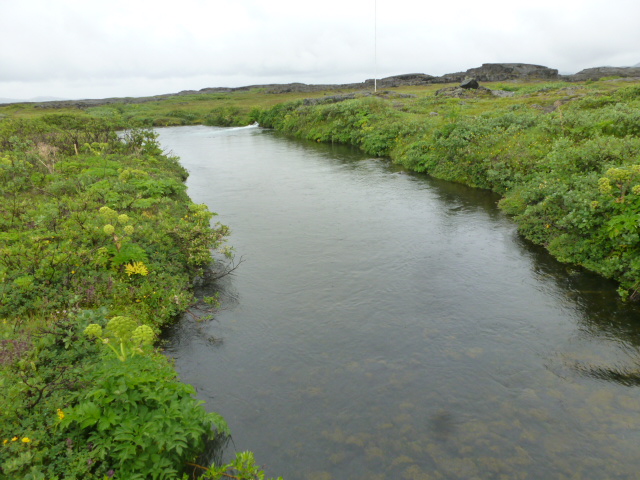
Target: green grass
548	149
99	248
565	157
547	133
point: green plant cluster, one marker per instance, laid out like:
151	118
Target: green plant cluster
140	422
566	159
96	227
110	226
99	247
219	109
243	466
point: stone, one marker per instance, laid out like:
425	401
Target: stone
502	93
469	83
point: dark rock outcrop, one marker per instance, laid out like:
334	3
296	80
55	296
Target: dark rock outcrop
469	83
488	72
401	80
498	72
601	72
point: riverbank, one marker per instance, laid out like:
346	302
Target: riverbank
362	280
100	248
563	155
566	160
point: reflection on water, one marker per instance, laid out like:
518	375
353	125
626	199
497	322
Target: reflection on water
388	325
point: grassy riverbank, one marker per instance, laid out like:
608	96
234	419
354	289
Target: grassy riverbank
100	246
565	157
95	228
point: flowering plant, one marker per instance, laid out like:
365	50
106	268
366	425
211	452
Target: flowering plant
123	336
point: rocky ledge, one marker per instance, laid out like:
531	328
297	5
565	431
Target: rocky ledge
499	72
488	72
603	72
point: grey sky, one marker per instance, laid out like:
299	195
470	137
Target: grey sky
97	49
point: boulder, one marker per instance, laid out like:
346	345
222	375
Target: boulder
469	83
502	93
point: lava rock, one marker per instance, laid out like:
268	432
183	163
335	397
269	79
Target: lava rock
602	72
469	83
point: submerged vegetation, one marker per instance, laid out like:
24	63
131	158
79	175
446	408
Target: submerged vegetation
99	248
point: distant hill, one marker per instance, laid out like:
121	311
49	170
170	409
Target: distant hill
488	72
34	99
601	72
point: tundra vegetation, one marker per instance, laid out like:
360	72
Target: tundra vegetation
99	248
565	158
100	243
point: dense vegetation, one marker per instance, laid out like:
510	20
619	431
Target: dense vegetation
565	158
100	243
219	109
99	248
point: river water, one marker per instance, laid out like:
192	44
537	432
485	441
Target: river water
386	325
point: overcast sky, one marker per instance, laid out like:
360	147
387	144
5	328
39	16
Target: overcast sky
99	49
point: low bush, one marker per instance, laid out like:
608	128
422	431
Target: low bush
550	161
99	247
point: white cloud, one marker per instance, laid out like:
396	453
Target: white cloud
75	48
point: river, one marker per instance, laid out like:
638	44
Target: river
387	325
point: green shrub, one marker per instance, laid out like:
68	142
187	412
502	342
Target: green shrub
105	230
547	165
224	117
140	421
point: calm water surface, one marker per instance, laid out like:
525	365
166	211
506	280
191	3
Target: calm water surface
385	325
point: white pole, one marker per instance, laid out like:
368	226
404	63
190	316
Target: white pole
375	45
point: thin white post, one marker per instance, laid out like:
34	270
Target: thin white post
375	45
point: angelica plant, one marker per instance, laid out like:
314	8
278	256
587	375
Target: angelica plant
122	251
123	336
243	467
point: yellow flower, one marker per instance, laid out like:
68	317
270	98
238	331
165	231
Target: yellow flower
14	439
26	440
5	441
60	414
136	268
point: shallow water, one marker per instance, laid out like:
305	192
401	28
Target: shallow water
388	325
